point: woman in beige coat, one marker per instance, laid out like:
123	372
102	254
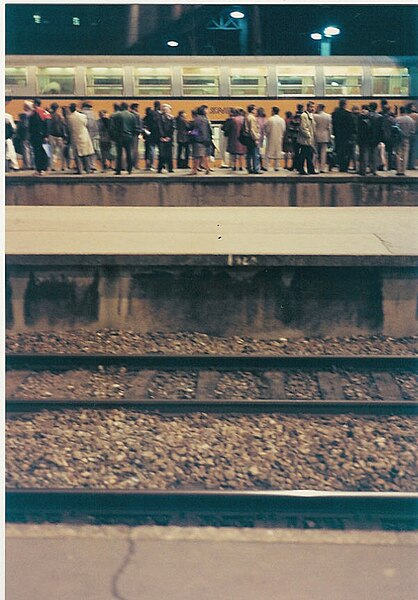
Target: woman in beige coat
274	129
79	138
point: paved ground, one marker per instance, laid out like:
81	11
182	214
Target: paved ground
217	172
355	231
157	563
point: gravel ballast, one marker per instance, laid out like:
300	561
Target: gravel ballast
112	341
132	450
119	383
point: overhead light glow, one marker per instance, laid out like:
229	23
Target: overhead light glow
316	36
331	30
37	19
172	44
237	14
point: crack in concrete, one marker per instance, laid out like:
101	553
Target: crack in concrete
387	245
119	572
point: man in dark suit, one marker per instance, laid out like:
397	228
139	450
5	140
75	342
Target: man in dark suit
343	129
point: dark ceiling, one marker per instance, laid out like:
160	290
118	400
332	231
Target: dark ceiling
145	29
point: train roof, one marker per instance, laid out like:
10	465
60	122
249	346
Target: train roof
123	60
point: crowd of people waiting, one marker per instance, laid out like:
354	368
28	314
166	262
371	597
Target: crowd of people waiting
310	140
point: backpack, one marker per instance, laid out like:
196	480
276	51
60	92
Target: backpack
244	137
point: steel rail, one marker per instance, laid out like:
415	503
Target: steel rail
103	505
43	361
220	406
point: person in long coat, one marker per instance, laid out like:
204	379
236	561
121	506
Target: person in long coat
323	131
38	131
80	138
201	140
236	150
274	130
306	139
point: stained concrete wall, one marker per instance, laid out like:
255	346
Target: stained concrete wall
211	191
263	302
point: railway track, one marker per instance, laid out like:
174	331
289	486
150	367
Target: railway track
295	508
209	369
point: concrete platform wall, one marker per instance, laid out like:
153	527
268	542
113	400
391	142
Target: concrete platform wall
260	302
216	190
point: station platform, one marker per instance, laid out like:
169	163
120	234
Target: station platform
155	563
221	187
213	236
261	272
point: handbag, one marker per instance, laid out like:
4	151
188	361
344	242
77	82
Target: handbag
244	137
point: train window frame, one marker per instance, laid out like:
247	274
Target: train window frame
256	90
142	91
43	72
379	72
197	88
293	72
335	73
110	91
19	69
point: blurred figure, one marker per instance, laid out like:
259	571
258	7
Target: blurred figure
57	137
408	131
323	131
148	133
288	141
22	134
387	162
38	131
105	141
274	128
80	140
125	129
355	113
262	120
166	127
134	109
364	139
10	152
235	149
294	126
183	140
87	109
375	135
306	139
252	127
343	128
411	111
201	138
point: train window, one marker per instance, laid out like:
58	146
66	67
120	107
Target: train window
55	80
102	81
390	81
343	81
16	76
152	82
200	81
248	82
295	80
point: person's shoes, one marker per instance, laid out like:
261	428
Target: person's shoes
401	174
172	171
302	173
275	170
234	168
264	169
117	173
